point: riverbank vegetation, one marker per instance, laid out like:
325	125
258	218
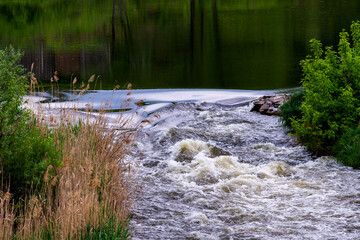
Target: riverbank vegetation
67	181
325	116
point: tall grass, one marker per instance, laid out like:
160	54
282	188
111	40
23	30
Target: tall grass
88	196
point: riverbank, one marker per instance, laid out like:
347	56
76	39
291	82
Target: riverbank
89	193
63	177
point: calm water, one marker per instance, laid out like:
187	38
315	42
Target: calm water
227	44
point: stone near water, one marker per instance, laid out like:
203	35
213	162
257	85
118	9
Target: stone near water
269	104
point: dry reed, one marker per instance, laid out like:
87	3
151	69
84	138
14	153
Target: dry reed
7	216
95	181
93	184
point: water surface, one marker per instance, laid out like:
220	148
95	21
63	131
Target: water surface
220	44
211	169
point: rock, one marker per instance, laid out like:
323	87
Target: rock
269	104
216	152
257	105
273	111
264	108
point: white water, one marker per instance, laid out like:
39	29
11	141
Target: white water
211	169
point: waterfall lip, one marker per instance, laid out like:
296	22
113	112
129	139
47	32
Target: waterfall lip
142	102
152	96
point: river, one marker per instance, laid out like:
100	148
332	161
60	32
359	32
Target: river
217	44
211	169
217	171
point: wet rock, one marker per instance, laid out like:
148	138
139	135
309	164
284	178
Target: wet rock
185	155
264	108
269	104
216	152
151	164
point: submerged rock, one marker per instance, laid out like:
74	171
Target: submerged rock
269	104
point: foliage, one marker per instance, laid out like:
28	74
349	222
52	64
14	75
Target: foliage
332	92
291	109
108	231
347	149
26	151
13	87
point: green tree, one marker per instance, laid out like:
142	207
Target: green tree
332	92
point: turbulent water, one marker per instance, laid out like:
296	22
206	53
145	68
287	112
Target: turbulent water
217	171
211	169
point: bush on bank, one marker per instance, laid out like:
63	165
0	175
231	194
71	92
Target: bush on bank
347	149
25	151
291	109
331	103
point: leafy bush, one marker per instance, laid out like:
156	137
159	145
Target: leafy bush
332	92
12	88
26	151
347	149
291	109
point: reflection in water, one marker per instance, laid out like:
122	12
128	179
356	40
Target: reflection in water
241	44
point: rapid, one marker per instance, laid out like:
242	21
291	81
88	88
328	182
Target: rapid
215	170
211	169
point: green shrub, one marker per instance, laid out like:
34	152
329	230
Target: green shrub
291	109
12	88
26	151
332	92
108	231
347	149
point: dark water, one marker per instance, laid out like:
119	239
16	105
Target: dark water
223	44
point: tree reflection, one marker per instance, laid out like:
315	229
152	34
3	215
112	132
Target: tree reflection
177	43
